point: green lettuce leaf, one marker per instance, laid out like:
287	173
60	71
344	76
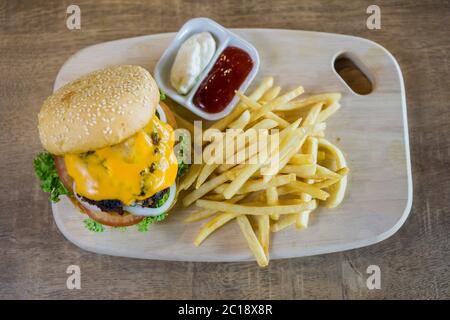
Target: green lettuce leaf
147	221
44	167
162	95
93	225
181	153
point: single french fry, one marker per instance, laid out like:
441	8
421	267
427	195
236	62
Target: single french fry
259	184
284	190
214	197
264	232
325	173
270	94
281	122
327	98
337	190
252	240
328	112
205	173
301	159
272	200
265	124
284	222
269	114
224	122
313	114
328	182
241	121
305	196
321	156
319	129
318	134
204	189
252	104
208	186
212	225
271	105
199	215
311	146
302	187
250	209
303	217
204	213
303	171
190	177
325	183
343	171
265	85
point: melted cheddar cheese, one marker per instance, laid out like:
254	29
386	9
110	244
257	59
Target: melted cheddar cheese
133	170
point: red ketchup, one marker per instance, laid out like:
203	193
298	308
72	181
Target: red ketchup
226	76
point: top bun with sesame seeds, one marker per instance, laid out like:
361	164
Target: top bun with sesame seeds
98	110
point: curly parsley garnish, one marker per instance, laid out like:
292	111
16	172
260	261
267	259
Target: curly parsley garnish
44	166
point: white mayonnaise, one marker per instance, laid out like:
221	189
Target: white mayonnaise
192	58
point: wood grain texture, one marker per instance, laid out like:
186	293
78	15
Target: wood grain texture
34	43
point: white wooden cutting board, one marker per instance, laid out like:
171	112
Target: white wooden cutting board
371	130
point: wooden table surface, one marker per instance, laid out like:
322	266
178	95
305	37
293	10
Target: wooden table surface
34	43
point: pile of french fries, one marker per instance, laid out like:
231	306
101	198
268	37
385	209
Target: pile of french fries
262	197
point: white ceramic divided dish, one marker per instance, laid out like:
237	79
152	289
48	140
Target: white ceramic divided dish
223	38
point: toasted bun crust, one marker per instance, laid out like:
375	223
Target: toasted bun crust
100	109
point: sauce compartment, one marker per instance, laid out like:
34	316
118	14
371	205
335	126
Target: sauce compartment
224	39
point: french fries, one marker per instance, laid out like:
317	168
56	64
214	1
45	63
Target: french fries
276	183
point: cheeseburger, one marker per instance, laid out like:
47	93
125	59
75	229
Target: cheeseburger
110	146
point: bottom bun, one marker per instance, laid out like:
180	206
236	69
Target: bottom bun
111	219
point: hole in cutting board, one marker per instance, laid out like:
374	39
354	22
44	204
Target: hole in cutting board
349	70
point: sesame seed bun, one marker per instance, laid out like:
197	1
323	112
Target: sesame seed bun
98	110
